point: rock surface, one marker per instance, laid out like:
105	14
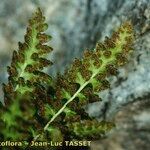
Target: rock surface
77	25
132	129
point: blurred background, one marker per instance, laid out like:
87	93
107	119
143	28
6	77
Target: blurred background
76	25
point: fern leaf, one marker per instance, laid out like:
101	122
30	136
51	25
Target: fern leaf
19	117
87	77
28	62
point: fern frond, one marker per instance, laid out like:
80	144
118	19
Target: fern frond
87	77
28	62
26	81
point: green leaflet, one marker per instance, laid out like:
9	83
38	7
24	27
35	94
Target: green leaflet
90	129
55	133
9	121
49	112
